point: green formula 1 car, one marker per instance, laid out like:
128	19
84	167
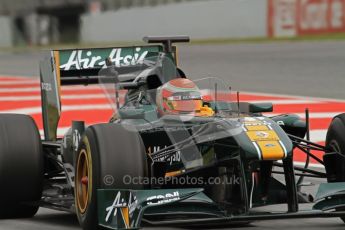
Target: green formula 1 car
176	151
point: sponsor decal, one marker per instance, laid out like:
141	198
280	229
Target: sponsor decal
261	134
46	86
126	208
250	119
76	139
303	17
280	123
86	59
264	139
257	123
163	199
269	135
176	157
271	150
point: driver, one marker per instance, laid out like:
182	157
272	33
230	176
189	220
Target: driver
181	96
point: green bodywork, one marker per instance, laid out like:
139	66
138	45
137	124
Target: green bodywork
51	103
124	209
330	196
233	124
62	64
221	147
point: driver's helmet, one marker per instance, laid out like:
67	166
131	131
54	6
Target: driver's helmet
181	96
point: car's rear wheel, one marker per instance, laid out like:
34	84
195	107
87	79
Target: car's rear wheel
107	153
335	141
21	166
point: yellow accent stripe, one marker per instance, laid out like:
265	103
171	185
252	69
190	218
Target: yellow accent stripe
174	173
265	140
271	150
89	158
257	128
57	71
125	215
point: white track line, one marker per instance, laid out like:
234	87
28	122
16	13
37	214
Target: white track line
311	165
37	89
60	132
293	97
36	110
311	115
318	135
286	102
24	82
20	98
19	90
19	77
64	97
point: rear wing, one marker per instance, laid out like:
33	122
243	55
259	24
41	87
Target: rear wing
81	67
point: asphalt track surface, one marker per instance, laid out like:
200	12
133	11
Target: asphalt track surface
309	69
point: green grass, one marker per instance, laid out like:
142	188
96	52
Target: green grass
256	40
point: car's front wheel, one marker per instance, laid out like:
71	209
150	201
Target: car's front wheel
107	153
335	141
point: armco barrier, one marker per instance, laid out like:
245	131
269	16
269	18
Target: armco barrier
305	17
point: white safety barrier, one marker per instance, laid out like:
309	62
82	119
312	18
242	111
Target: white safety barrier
199	19
6	31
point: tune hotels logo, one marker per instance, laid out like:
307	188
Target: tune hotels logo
305	17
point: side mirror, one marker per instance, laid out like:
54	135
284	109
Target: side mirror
260	107
132	113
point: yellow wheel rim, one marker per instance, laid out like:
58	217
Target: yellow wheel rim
83	180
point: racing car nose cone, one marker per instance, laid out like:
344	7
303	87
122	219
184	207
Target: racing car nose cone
85	180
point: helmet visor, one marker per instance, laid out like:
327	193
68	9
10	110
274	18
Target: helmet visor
187	105
186	101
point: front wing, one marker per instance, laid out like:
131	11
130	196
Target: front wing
126	209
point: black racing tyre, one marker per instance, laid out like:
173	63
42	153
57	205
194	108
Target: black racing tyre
106	154
335	141
21	166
